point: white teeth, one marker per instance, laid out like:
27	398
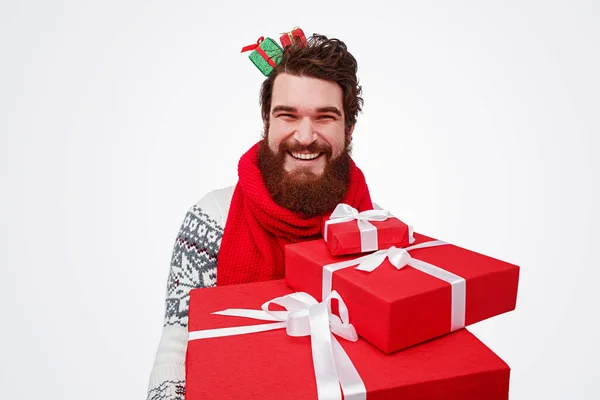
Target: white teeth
302	156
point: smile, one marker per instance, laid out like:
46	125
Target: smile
305	156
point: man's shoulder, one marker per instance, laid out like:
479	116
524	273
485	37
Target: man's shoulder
215	204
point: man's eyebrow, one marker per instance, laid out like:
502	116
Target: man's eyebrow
330	109
283	108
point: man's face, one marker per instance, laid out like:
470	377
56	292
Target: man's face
304	157
307	122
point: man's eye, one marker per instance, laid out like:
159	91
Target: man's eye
326	117
286	115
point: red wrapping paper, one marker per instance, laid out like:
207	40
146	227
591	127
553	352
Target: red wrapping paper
298	36
344	237
272	365
394	309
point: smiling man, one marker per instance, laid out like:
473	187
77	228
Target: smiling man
288	183
304	155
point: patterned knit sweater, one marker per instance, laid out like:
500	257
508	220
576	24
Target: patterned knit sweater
193	265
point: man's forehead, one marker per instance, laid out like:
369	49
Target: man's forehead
303	92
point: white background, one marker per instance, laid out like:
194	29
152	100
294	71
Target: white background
480	127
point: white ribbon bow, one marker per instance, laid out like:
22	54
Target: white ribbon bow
399	258
305	316
368	232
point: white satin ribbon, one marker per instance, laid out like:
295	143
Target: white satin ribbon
305	316
368	232
399	258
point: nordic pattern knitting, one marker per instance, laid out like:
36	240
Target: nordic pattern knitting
193	265
168	390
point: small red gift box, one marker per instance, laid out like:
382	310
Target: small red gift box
349	232
296	36
438	289
273	365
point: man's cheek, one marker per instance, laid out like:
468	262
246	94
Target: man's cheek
274	145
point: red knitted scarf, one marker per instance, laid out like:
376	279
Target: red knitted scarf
257	228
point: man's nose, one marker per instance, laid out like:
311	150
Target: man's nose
305	134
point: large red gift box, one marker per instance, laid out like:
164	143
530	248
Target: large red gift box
273	365
346	237
394	309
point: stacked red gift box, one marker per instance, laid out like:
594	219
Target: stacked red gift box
372	310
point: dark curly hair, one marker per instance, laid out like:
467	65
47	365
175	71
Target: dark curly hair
321	58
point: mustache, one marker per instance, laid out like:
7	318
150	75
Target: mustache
314	147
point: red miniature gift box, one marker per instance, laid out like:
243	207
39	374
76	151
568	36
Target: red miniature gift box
296	36
401	297
348	231
272	365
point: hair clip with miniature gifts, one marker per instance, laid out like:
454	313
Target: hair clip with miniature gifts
267	54
294	37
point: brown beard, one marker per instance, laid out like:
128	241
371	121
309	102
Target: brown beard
303	191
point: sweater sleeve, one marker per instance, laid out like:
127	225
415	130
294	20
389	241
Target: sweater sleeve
193	265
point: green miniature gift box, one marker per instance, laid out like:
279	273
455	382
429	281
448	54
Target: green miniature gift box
266	54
